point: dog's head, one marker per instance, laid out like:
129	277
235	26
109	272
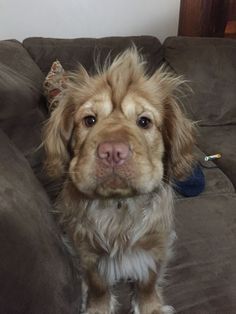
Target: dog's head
119	132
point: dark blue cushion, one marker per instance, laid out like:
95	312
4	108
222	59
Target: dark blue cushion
193	185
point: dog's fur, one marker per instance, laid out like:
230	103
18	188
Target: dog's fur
119	218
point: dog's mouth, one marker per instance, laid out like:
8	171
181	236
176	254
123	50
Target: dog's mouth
114	182
114	185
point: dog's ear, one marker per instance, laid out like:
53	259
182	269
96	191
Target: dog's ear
56	136
178	131
178	134
58	130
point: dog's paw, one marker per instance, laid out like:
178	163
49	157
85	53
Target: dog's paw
167	309
152	308
97	311
98	308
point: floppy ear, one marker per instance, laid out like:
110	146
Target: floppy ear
56	135
178	133
58	129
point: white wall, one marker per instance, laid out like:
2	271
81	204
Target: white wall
88	18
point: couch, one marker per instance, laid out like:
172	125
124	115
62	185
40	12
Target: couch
37	273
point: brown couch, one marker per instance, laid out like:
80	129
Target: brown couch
37	274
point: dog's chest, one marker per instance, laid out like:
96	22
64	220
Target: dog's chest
116	230
117	233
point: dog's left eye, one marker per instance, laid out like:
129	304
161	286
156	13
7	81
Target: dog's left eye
144	122
89	121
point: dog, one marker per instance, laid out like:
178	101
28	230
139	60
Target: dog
117	138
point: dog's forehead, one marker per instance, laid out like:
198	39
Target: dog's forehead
130	106
134	105
99	104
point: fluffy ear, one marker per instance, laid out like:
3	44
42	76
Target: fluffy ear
178	132
56	135
58	129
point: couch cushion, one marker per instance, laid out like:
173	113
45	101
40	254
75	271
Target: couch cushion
20	93
13	55
210	66
202	276
221	140
216	182
86	51
35	271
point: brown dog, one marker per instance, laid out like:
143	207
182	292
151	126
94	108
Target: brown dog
117	138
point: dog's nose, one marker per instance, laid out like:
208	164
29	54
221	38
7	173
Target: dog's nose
113	153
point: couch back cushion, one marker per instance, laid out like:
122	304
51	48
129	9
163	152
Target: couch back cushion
209	64
86	51
20	92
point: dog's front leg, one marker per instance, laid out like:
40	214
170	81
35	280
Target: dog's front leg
99	299
148	298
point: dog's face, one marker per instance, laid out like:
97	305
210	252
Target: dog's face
119	132
117	147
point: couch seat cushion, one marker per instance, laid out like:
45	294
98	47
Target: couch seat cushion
209	64
35	270
221	140
202	275
216	182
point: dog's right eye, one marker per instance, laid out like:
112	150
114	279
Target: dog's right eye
144	122
89	121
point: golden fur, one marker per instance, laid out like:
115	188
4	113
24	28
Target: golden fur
119	218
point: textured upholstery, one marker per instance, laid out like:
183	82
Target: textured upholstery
36	273
221	139
20	96
86	51
201	279
209	66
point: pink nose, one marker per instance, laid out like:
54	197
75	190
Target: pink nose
113	153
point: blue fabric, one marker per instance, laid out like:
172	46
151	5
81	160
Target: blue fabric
193	185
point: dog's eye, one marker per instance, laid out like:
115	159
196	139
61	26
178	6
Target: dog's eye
144	122
89	121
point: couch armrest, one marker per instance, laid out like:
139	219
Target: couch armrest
36	272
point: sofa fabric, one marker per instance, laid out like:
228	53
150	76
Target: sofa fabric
20	96
86	51
221	139
13	55
36	272
201	279
216	182
208	64
37	275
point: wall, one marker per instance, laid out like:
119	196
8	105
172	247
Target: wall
88	18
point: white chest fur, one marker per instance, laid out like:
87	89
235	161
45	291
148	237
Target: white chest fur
134	265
